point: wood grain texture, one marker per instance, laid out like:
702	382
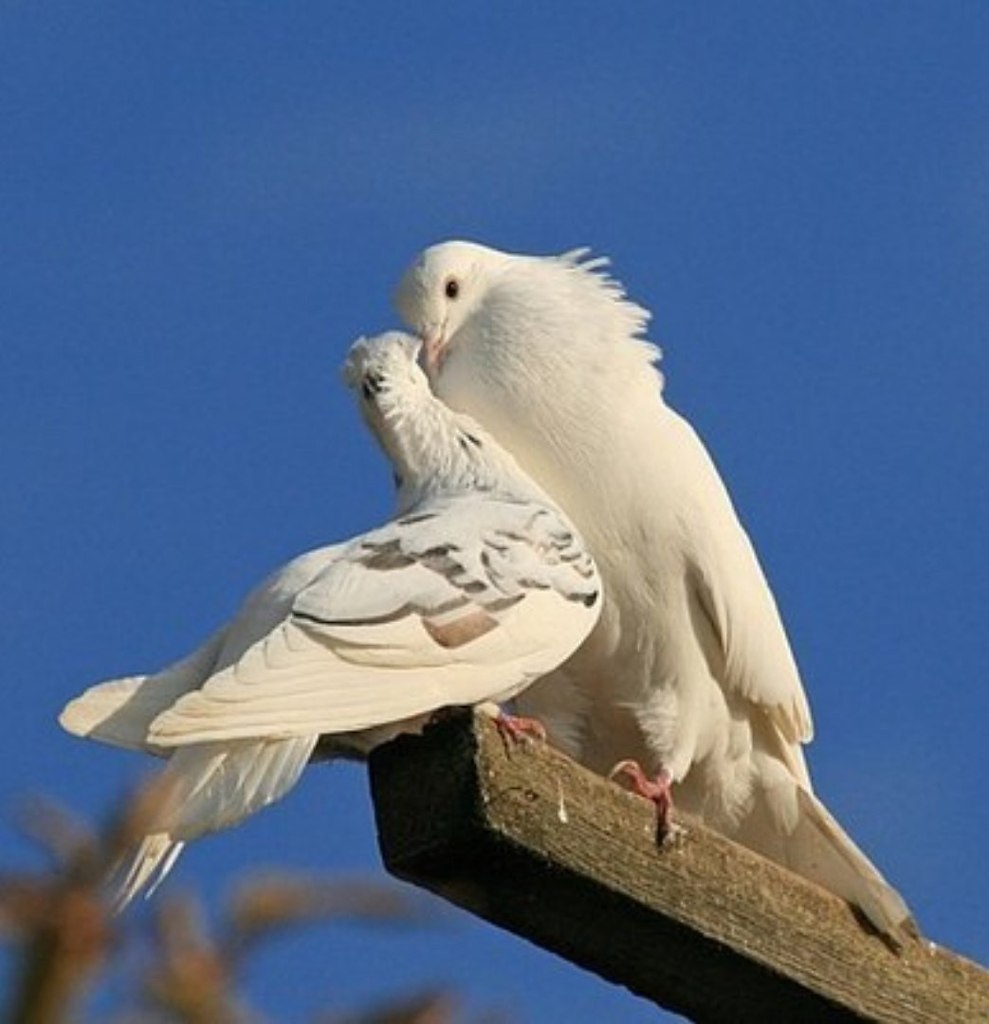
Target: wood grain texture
525	838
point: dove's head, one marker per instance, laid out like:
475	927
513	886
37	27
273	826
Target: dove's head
394	397
442	291
485	315
384	370
391	389
432	449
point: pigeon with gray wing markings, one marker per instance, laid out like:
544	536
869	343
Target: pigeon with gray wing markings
477	587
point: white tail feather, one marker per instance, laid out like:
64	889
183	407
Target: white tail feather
796	830
155	856
822	851
206	787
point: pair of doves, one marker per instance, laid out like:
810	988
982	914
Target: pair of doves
557	521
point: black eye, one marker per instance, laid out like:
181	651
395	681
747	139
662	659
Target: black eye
452	288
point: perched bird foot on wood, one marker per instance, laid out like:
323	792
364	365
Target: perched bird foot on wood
518	729
658	790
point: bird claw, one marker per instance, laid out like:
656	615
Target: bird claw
517	729
659	791
673	835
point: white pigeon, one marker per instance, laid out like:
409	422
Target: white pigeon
689	673
477	587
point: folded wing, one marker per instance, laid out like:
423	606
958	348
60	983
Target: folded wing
419	615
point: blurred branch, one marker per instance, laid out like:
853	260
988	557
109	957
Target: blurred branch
430	1007
191	978
271	903
65	933
59	920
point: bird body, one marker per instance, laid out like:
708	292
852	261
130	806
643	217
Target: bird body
689	671
477	587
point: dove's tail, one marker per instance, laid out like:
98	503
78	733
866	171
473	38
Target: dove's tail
206	787
812	843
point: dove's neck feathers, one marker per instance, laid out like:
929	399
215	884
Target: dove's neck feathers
438	453
547	348
556	326
576	306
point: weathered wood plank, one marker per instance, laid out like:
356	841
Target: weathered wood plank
530	841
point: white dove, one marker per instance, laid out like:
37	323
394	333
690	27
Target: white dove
689	673
478	586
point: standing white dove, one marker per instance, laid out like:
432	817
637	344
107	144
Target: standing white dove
477	587
688	679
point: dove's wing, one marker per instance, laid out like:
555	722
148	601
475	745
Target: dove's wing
750	653
460	604
269	603
120	711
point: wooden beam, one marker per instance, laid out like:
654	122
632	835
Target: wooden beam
525	838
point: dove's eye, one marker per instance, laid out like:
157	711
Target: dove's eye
452	288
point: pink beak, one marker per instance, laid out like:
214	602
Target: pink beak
432	353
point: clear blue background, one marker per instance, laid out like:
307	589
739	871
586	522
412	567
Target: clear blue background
202	204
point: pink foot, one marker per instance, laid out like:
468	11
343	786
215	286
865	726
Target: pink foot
658	790
518	729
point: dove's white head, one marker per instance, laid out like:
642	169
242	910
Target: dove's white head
384	370
443	289
456	293
536	348
433	450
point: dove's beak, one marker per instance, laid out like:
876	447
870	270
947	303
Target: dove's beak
433	345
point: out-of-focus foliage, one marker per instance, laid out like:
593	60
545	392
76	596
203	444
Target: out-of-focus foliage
65	935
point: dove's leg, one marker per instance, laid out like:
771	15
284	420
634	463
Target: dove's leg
659	790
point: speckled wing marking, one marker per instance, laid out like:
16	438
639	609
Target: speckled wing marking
465	601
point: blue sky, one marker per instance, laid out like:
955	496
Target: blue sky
204	203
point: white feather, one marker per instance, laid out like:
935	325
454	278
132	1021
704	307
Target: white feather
120	712
209	786
689	668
